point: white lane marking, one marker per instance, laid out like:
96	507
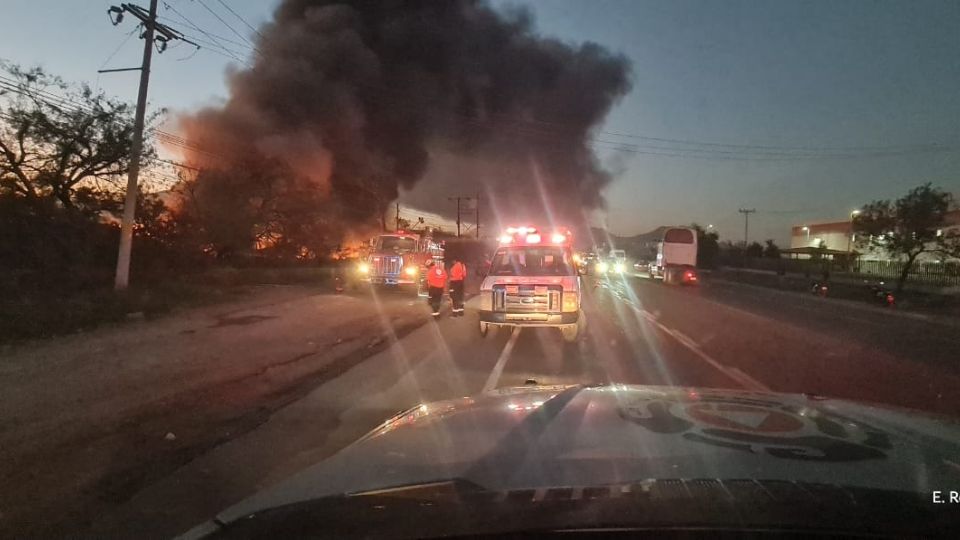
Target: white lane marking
732	372
501	362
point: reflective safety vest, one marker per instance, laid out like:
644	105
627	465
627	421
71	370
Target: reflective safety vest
437	276
458	272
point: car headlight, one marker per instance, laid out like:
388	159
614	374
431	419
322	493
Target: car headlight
601	267
410	271
618	268
570	303
363	268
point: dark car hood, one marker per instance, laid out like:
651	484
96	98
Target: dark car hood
574	436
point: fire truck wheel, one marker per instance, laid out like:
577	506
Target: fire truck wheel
484	329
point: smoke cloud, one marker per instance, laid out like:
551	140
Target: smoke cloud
367	98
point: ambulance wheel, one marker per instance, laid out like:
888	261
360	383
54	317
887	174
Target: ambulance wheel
484	329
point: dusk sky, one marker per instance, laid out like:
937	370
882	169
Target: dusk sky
774	88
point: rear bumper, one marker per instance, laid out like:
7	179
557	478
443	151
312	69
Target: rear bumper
529	319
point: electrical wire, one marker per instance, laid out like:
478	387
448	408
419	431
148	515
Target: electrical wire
225	23
244	21
120	46
212	41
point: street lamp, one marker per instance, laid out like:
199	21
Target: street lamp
850	238
806	230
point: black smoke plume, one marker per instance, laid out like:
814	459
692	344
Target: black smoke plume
366	98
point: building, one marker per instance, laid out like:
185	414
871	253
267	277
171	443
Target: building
838	238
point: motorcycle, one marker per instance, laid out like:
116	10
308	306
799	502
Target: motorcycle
880	294
819	288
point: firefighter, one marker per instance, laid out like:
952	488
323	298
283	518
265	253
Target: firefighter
458	273
436	281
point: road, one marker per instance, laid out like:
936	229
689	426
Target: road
719	335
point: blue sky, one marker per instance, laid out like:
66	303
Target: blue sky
823	74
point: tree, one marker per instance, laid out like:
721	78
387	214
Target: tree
907	227
755	250
258	205
72	149
771	250
708	247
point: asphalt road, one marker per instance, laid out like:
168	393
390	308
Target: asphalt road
639	332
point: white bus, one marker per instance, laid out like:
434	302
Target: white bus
676	256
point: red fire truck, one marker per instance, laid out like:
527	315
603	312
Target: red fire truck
399	259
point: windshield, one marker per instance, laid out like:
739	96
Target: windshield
531	261
678	236
236	236
396	243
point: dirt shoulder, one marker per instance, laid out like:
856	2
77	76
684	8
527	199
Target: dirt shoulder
88	420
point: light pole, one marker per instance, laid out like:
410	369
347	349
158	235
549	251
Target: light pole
853	214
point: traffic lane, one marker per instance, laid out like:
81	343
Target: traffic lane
620	347
443	359
904	335
787	353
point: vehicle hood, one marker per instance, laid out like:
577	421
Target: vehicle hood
588	436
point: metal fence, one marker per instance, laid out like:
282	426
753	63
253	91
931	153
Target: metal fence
930	273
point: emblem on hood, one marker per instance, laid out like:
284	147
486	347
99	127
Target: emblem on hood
757	425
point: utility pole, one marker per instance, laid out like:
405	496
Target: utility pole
397	227
458	199
478	215
152	32
746	224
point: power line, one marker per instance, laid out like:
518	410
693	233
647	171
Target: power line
188	22
764	147
120	46
213	41
225	23
237	15
220	50
177	164
689	142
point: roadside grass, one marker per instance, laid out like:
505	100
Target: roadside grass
45	313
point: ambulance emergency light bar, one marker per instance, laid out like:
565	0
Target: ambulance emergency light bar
531	235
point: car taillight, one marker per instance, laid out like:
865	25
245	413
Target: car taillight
486	301
570	302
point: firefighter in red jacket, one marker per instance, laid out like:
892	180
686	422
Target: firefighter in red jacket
458	273
436	282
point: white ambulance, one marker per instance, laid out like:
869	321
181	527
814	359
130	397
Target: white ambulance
533	281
